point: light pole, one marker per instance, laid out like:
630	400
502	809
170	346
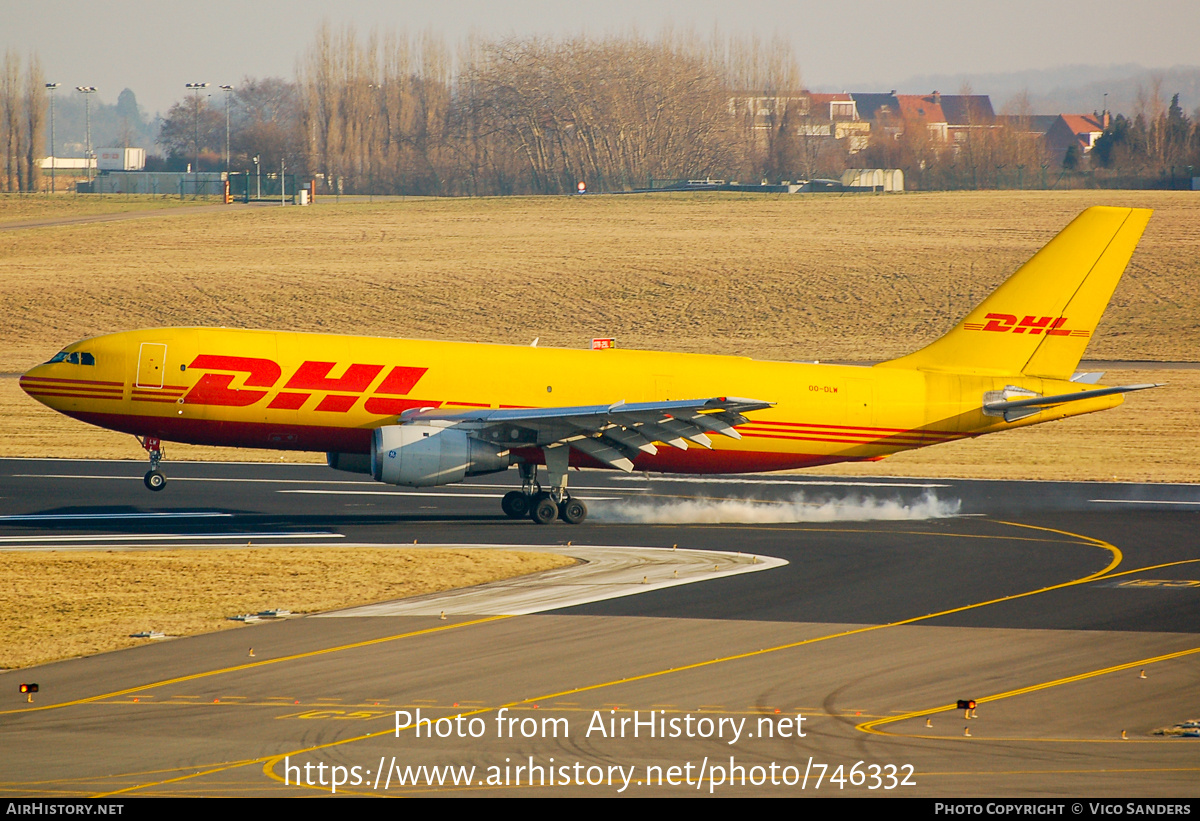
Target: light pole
53	151
195	88
227	90
87	92
257	177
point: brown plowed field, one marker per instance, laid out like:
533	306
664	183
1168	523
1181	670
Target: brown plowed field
827	277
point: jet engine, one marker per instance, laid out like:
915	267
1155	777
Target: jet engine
420	455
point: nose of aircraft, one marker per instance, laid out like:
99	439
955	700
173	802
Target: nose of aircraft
35	381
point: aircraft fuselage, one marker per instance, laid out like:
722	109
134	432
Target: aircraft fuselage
321	392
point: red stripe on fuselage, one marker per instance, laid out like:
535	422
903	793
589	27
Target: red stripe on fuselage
71	381
34	392
233	434
906	438
704	461
848	428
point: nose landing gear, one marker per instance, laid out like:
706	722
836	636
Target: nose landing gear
154	479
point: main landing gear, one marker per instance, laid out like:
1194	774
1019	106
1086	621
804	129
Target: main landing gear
154	478
544	506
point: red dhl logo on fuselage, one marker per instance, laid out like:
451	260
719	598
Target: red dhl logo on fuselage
1004	323
341	392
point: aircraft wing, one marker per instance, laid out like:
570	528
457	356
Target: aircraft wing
613	434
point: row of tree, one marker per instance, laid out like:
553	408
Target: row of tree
263	119
399	114
1158	146
390	115
409	115
22	122
1149	143
1006	155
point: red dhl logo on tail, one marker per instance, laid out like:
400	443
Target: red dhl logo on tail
341	392
1004	323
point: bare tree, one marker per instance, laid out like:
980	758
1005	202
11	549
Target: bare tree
10	120
533	114
35	122
266	123
193	128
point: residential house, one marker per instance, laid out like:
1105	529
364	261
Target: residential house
1080	130
835	116
967	115
949	118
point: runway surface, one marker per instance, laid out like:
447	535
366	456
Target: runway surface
868	609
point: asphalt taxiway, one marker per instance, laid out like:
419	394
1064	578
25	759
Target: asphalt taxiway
1069	611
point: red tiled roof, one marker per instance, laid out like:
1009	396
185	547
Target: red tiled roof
1082	123
916	107
826	99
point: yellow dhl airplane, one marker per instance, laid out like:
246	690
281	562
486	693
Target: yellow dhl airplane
422	413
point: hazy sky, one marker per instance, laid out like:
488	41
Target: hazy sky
156	47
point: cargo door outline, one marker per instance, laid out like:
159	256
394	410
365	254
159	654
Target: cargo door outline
859	396
152	360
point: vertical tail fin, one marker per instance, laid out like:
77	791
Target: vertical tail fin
1039	321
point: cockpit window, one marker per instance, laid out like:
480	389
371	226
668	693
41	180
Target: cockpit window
73	358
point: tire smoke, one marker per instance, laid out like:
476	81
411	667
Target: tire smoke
797	508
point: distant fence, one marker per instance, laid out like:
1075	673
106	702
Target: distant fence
1172	179
248	187
163	183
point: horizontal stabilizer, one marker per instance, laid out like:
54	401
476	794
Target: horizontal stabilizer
1013	409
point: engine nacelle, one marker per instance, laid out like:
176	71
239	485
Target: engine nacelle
349	462
421	455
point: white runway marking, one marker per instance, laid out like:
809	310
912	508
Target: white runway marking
604	573
706	480
499	489
164	537
573	486
195	479
392	493
448	494
63	517
1142	502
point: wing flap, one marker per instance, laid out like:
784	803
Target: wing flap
630	439
604	453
